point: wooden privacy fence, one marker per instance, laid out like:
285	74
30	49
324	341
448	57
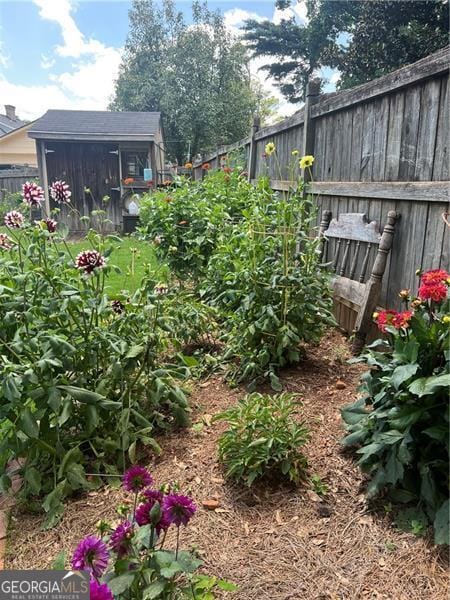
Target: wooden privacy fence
378	147
11	180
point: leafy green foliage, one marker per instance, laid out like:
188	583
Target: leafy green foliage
195	74
267	279
263	438
401	423
184	221
82	386
364	40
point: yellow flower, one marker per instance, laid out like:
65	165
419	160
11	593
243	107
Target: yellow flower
306	161
446	319
375	315
188	165
294	152
270	148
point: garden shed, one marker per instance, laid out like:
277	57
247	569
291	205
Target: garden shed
106	158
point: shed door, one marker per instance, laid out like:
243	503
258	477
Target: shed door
92	172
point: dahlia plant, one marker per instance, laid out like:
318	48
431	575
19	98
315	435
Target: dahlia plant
130	560
85	378
401	423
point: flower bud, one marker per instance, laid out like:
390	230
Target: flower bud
416	303
375	315
404	294
446	319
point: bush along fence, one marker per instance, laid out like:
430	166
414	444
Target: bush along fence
379	147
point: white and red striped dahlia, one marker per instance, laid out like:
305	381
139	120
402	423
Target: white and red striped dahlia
89	261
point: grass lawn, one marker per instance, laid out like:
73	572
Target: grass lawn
122	256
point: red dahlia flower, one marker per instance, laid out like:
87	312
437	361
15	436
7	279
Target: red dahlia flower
402	319
434	276
6	242
14	219
433	291
60	192
385	318
90	260
32	194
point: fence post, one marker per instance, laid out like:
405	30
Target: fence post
312	97
251	169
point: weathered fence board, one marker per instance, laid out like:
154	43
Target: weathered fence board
11	180
381	146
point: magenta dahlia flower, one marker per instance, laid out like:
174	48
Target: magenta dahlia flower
99	591
14	219
121	538
91	555
32	194
50	225
153	496
6	242
178	509
60	192
143	517
136	479
89	260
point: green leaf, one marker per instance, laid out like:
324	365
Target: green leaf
154	590
441	524
122	583
171	570
275	382
428	385
59	563
87	397
402	374
28	424
227	586
33	478
135	351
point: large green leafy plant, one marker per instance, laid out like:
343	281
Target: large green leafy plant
401	422
263	439
267	279
83	378
185	220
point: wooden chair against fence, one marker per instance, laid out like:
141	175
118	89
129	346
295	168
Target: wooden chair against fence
352	240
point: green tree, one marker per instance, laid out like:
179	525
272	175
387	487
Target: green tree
196	75
363	39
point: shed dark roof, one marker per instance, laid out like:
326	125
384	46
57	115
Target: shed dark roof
96	125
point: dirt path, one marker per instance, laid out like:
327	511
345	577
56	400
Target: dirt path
276	544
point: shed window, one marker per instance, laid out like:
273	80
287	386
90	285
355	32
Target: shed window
134	163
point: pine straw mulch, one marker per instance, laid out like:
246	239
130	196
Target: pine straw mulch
276	543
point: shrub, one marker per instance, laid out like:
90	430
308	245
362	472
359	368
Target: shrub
84	380
130	560
267	279
401	423
263	438
185	220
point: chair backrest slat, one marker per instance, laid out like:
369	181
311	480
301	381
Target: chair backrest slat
354	231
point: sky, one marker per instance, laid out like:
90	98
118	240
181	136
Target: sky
66	53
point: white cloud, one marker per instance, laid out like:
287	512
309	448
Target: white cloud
88	84
75	44
93	80
298	11
234	19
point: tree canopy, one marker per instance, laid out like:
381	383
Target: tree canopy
196	75
364	40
